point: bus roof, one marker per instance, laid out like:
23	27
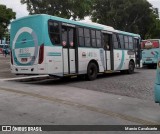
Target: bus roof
80	23
60	19
76	22
105	27
127	33
26	17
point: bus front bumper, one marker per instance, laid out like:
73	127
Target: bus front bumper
157	93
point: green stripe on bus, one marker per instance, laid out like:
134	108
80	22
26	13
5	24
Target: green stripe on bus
54	54
24	55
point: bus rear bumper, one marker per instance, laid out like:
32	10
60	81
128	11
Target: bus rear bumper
157	93
153	62
28	70
149	63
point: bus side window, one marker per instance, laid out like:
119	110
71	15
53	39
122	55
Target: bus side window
81	36
54	32
131	43
93	35
115	41
121	39
98	37
87	37
126	42
106	41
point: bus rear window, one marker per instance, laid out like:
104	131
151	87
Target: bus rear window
148	44
155	44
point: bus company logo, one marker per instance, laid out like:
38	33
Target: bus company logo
83	54
90	54
155	54
24	41
6	128
117	55
18	35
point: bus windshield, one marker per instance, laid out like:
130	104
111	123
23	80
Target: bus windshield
149	44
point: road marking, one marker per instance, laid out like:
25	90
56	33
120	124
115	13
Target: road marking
23	78
90	108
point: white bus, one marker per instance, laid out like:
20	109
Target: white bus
44	44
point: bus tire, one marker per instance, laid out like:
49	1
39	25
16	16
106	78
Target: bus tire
131	67
92	71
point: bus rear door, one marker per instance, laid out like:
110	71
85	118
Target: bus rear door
68	43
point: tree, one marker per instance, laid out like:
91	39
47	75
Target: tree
6	15
135	16
154	31
63	8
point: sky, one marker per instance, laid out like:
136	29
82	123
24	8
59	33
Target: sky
21	10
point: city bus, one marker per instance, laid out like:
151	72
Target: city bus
44	44
157	83
150	51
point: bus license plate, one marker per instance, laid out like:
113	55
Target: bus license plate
24	59
148	59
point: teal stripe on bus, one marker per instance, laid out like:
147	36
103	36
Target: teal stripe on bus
54	54
24	55
122	61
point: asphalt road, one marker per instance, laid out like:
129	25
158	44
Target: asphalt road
112	99
138	85
5	67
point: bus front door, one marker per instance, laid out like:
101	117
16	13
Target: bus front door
68	43
137	52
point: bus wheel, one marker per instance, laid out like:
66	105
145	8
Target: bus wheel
131	67
92	71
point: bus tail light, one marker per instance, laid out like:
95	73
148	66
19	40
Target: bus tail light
11	58
41	54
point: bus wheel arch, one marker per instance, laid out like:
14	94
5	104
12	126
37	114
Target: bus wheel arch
92	70
131	67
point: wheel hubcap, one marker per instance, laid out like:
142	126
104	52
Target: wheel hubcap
91	71
131	67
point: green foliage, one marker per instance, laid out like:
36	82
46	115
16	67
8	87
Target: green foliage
6	15
62	8
135	16
154	31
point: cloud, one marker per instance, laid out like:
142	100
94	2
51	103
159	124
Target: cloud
16	6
